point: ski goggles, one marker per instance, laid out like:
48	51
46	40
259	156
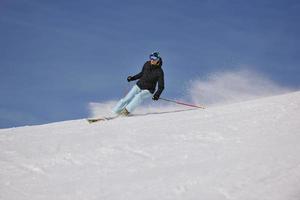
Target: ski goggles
153	57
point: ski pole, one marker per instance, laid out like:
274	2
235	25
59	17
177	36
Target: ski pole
181	103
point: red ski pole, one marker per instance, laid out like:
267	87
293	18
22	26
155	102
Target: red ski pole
181	103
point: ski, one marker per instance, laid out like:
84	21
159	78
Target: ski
99	119
92	120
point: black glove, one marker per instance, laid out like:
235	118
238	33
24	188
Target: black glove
155	97
129	78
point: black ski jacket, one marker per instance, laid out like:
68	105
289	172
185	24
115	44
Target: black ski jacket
150	76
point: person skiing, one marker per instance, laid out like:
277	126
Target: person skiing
151	75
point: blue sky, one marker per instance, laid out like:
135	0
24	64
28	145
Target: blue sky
57	56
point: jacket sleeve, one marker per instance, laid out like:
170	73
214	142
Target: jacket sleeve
139	75
161	84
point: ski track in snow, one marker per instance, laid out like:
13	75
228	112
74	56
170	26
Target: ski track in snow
248	150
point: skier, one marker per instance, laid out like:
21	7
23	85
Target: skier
148	78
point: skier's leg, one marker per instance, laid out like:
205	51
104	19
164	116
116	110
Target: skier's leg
138	99
124	101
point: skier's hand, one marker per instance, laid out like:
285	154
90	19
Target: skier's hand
129	78
155	97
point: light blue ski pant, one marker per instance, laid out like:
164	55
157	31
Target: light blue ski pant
134	98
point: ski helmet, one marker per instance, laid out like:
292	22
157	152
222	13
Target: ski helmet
154	56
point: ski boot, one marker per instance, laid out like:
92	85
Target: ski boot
124	112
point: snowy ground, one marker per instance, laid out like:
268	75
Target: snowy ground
242	151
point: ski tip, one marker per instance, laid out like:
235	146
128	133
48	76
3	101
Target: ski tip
92	120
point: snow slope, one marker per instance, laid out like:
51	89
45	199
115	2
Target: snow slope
242	151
